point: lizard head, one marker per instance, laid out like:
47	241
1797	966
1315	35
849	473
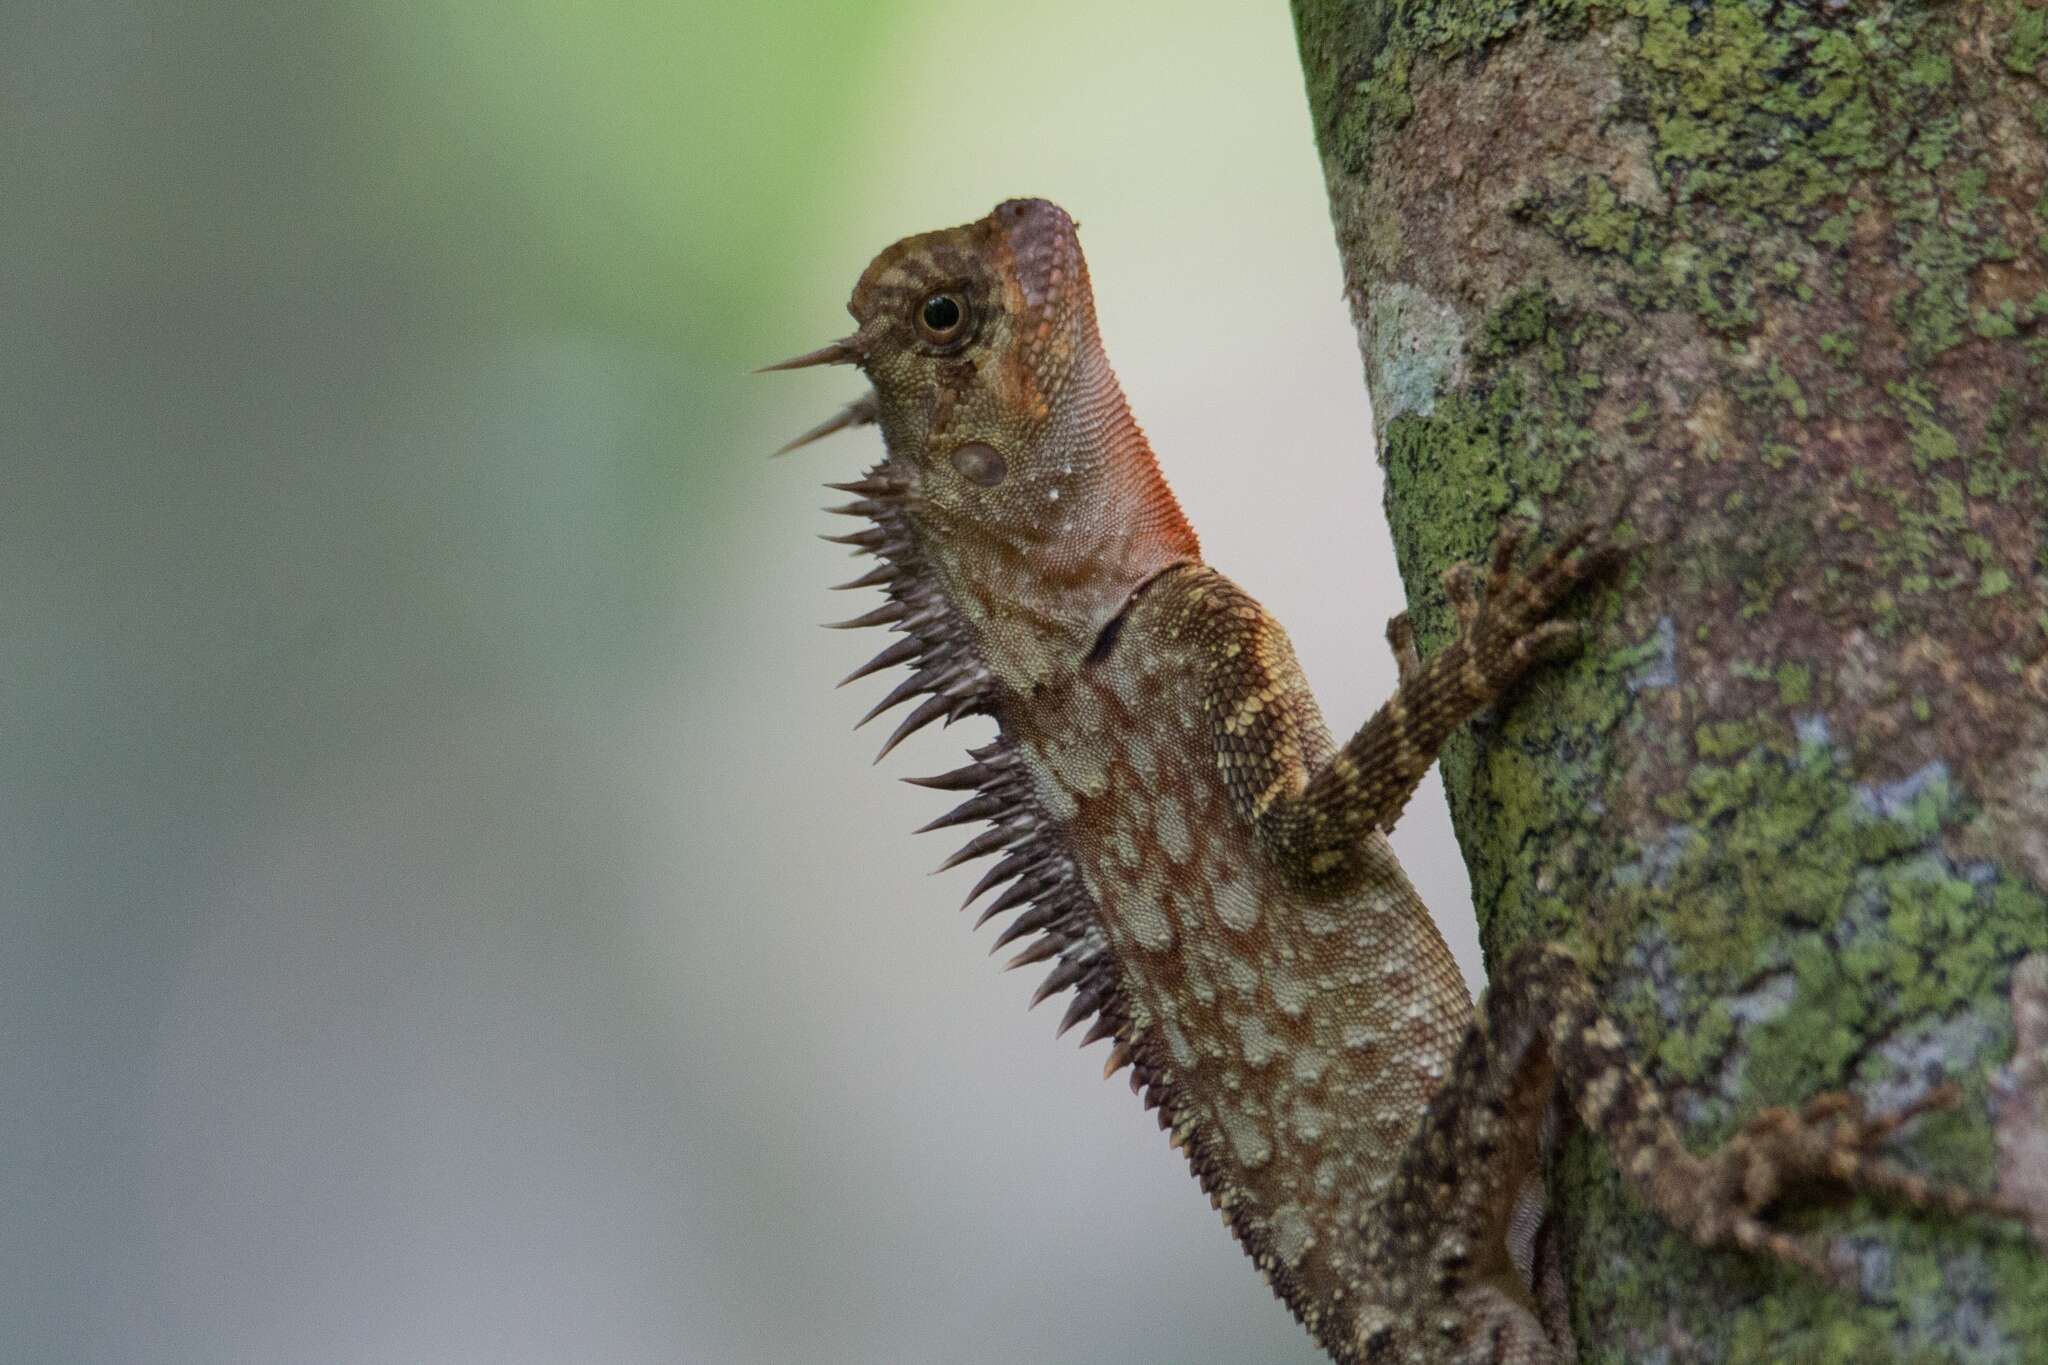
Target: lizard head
1034	498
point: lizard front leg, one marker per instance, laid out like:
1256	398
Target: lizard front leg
1506	629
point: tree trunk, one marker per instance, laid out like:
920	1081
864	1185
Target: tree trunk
1781	270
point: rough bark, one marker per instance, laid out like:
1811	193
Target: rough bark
1783	268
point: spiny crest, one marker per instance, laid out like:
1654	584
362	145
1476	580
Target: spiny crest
1057	918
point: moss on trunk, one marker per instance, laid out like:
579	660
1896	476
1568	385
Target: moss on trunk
1782	268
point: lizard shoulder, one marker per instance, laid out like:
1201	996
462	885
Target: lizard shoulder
1265	729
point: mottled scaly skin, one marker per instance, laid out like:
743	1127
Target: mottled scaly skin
1298	1030
1204	866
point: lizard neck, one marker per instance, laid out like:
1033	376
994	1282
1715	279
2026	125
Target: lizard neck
1036	593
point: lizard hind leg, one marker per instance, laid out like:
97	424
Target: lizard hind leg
1717	1199
1451	1277
1441	1285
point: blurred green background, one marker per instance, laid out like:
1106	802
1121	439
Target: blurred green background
443	914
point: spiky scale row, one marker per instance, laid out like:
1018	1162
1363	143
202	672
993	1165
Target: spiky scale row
975	775
983	806
1057	915
863	542
888	614
1039	950
1030	888
873	578
862	411
901	652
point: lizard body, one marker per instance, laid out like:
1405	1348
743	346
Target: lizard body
1207	869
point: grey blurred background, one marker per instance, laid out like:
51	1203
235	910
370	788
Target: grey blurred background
444	915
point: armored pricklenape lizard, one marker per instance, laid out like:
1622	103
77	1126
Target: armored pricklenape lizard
1208	872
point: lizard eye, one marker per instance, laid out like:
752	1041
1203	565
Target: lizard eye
942	319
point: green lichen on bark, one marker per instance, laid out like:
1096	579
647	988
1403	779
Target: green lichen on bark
1781	268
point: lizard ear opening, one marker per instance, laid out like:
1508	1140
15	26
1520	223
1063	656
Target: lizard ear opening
980	463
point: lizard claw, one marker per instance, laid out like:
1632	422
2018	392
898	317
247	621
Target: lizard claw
1502	568
1551	640
1461	585
1401	639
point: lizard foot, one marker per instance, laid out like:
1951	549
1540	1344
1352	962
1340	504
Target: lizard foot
1509	626
1830	1140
